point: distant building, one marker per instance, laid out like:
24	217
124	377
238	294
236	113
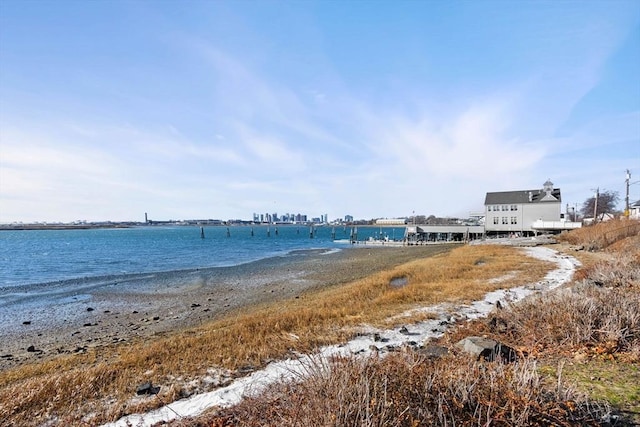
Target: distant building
525	212
391	221
634	210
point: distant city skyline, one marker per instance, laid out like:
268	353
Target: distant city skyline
372	109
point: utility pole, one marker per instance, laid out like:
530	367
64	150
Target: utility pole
595	206
626	199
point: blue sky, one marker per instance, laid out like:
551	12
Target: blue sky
218	109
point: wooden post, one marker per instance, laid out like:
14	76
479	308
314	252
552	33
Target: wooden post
626	199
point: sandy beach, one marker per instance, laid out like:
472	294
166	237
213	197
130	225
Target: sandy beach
120	309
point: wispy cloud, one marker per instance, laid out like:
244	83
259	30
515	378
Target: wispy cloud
237	127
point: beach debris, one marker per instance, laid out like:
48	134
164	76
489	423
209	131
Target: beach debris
487	349
404	330
26	322
194	305
246	369
147	388
90	308
31	349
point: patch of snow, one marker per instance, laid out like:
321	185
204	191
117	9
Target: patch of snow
365	344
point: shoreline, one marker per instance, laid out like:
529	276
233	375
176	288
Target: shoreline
106	280
446	316
150	304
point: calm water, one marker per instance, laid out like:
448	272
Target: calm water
42	256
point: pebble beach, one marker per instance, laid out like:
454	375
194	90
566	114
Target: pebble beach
113	310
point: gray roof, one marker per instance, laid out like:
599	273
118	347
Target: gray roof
520	197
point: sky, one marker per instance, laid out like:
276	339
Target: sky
375	109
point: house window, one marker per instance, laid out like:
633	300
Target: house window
514	207
514	220
504	207
505	220
495	220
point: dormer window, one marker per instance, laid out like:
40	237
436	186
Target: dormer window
548	190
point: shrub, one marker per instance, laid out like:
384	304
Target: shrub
601	235
601	311
404	389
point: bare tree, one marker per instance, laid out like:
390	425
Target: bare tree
605	202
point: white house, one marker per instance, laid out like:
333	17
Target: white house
634	210
525	212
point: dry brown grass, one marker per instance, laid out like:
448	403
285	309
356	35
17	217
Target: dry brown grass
602	235
597	317
405	389
592	327
98	387
599	313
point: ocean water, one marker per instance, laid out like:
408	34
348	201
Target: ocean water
43	256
